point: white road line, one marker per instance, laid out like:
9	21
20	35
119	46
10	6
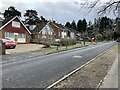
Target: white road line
64	77
29	59
77	56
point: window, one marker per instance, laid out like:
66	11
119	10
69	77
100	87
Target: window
15	24
72	35
9	35
47	30
43	32
64	34
21	35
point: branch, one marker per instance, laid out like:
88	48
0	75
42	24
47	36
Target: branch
110	6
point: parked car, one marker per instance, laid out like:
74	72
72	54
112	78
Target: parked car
9	44
118	40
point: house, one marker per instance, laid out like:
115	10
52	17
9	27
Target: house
60	31
42	33
64	32
47	31
14	29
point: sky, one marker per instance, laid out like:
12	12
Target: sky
61	11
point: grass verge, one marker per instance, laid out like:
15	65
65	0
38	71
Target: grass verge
90	75
54	49
61	48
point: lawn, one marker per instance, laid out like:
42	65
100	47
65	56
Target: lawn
54	49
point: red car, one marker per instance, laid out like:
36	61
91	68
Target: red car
9	44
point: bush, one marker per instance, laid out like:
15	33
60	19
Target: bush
99	37
65	42
46	45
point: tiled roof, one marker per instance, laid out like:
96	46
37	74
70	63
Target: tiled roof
39	27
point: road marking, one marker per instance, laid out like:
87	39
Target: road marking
74	71
29	59
77	56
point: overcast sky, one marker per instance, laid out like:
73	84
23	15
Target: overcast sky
59	10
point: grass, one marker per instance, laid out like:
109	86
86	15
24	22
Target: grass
90	75
54	49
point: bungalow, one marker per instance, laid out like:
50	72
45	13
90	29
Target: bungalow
60	31
42	33
74	33
47	31
14	29
64	32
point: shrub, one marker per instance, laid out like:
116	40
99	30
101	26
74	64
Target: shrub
46	45
99	37
65	42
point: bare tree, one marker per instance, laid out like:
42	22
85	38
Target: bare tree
110	5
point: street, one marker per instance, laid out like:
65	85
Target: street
40	72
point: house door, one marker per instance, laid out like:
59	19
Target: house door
15	37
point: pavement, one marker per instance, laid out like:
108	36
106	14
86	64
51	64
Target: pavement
21	48
111	79
42	71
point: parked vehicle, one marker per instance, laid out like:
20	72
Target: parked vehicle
118	40
9	44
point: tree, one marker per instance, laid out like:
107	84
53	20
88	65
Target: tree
84	23
110	5
104	26
73	25
68	25
79	25
43	19
99	37
90	30
11	12
31	17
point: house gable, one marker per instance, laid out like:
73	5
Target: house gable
47	28
15	20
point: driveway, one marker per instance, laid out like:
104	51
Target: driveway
42	71
20	48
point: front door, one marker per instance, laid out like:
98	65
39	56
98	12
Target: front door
16	37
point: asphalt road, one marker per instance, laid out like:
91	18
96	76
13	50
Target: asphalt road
42	71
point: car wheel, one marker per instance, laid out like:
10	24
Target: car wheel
14	47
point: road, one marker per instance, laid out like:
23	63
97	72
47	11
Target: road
42	71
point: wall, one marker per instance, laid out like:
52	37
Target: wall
57	31
11	29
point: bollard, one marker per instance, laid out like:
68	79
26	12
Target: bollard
3	49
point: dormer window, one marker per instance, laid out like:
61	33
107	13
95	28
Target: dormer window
15	24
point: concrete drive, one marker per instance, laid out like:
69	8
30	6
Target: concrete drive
42	71
111	80
20	48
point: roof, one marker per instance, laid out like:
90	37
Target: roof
39	26
1	19
9	20
65	28
73	30
62	27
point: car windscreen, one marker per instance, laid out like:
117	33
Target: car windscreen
6	40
